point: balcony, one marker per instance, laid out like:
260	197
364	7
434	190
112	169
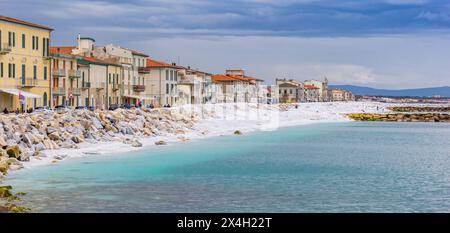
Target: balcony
85	85
5	48
59	91
138	88
74	74
75	91
186	80
99	85
59	73
144	70
116	86
26	82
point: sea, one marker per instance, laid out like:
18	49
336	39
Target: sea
327	167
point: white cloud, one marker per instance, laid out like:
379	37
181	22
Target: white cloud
387	62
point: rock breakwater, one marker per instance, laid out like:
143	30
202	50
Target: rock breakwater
419	117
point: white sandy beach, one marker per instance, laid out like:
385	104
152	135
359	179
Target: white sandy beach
227	118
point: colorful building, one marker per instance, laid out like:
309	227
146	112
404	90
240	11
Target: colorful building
25	68
290	91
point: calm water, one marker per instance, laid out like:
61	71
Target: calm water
346	167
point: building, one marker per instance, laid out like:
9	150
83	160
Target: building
290	91
194	86
312	93
236	87
25	66
161	81
65	80
322	86
342	95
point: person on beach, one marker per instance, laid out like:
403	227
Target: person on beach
5	111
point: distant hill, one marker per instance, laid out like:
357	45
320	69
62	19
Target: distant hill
419	92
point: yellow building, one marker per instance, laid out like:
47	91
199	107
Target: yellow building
24	64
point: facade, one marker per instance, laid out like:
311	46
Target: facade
322	86
312	93
290	91
65	80
236	87
25	66
194	86
342	95
161	81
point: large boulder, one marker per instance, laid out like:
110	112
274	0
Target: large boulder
54	136
13	151
136	143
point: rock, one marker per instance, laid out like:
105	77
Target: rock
136	143
77	139
5	191
13	151
2	141
54	136
237	132
3	153
51	130
160	143
60	157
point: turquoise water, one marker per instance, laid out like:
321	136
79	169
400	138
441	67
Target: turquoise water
344	167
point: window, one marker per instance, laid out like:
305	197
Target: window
37	43
34	72
167	88
33	41
23	41
45	72
167	75
109	79
12	39
1	70
45	98
11	70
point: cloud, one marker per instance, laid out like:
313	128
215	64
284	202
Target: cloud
406	2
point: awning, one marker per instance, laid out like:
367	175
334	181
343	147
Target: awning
140	97
24	93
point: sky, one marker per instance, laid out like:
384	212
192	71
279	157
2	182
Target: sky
391	44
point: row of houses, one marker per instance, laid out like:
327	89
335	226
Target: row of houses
33	74
293	91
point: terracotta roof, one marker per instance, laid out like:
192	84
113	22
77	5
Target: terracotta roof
310	87
18	21
159	64
138	53
224	78
66	50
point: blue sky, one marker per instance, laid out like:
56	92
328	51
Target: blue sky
379	43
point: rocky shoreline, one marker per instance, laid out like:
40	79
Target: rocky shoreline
419	109
400	117
27	135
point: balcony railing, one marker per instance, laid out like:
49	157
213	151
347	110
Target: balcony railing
26	82
99	85
144	70
85	85
75	91
138	88
59	73
59	91
5	48
186	80
74	73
